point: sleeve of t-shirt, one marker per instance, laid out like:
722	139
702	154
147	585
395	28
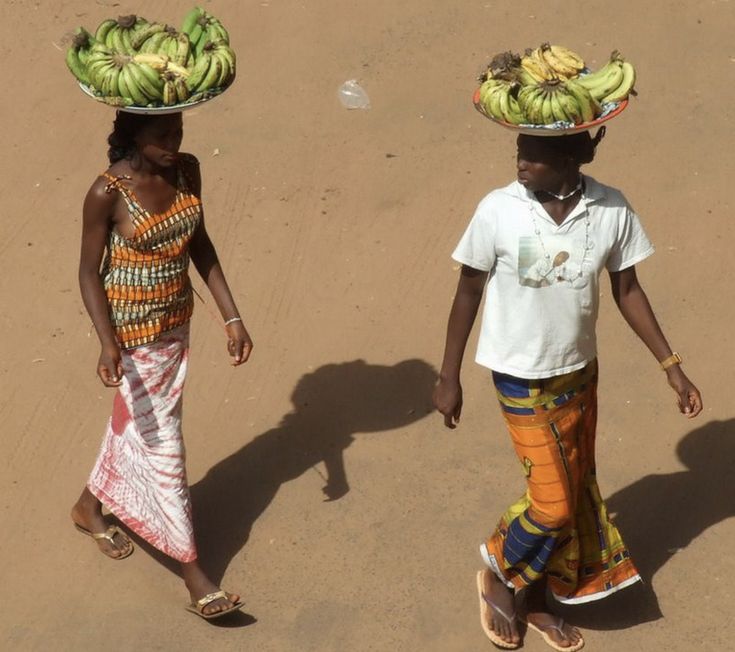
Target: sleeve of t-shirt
632	244
476	248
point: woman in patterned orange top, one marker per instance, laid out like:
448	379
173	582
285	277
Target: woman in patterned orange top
142	223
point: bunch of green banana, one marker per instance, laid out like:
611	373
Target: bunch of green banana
557	100
78	54
611	83
214	68
164	39
499	99
119	35
202	28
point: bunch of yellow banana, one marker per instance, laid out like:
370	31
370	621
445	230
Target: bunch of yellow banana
498	98
118	35
548	62
611	83
214	68
202	28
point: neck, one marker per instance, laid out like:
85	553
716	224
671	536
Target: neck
568	189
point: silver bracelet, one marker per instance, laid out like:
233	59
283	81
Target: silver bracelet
231	321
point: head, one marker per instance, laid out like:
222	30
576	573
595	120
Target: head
137	137
547	162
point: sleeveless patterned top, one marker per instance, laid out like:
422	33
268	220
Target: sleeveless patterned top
146	277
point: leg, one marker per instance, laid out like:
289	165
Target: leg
87	513
537	614
200	585
500	616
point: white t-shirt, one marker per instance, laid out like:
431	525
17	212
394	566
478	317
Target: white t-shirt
543	283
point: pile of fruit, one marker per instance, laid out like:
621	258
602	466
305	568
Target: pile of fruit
131	62
550	85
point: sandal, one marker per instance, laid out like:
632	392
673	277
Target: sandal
485	605
559	627
199	606
109	535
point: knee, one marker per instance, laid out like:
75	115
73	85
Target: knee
553	517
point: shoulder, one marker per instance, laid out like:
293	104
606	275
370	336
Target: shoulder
189	166
501	202
604	195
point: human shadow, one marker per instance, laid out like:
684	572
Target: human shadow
659	515
330	406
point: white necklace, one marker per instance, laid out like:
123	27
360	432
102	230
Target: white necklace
578	280
569	194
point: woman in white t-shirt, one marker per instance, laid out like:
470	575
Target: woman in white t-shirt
537	248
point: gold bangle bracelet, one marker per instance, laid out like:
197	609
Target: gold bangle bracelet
673	359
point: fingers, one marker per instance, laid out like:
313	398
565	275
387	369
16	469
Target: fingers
110	378
240	350
694	403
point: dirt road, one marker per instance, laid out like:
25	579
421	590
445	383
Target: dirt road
335	229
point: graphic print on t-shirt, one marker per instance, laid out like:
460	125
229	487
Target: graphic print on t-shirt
556	259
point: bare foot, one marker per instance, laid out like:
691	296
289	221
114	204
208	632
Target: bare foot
200	585
501	612
87	514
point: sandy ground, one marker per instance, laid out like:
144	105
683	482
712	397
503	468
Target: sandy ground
335	228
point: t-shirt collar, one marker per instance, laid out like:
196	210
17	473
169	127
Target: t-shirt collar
592	191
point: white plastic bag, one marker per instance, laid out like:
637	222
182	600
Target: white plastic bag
353	96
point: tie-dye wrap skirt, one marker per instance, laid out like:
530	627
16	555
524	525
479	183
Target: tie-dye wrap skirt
140	474
559	528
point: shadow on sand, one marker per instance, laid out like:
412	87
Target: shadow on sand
330	405
660	515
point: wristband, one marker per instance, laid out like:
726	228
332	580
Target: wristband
673	359
232	321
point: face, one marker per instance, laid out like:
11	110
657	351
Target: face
539	166
159	139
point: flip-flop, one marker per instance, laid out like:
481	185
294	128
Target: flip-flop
559	627
109	535
199	606
485	605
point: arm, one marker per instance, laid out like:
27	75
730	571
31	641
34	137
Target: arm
633	304
96	223
204	257
448	392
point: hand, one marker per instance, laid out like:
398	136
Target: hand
239	344
109	366
687	395
447	398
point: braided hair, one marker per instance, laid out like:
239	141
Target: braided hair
122	139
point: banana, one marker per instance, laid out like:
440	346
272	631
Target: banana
182	90
195	34
98	72
569	57
226	74
588	106
153	45
117	101
493	105
191	20
75	65
537	68
509	108
148	79
115	39
183	49
547	113
608	83
122	85
169	92
626	85
135	91
127	40
199	71
146	32
109	85
156	61
152	92
176	69
530	102
212	75
558	62
103	29
556	108
570	106
217	32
